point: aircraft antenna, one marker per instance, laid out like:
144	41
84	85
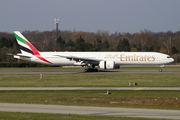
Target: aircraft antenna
56	23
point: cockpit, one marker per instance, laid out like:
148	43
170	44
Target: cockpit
169	58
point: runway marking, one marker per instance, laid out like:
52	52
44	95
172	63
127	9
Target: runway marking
139	88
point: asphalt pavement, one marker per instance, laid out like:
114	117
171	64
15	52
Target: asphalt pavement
83	110
89	88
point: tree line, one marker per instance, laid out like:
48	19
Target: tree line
143	41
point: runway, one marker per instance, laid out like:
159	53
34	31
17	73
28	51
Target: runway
88	88
82	72
82	110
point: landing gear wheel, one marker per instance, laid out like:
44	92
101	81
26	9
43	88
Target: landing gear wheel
160	70
91	70
95	70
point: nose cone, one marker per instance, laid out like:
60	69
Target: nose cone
172	60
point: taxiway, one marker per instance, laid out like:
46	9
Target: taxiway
82	110
82	72
89	88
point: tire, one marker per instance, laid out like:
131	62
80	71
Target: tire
95	70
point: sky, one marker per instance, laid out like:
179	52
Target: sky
90	15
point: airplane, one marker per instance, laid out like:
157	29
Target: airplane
105	60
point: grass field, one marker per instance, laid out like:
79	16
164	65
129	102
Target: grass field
123	98
118	98
90	80
45	116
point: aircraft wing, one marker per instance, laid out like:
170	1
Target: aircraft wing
81	59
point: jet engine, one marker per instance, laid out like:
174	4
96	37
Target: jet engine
109	65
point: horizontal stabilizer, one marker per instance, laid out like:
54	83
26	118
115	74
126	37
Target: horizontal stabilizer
22	55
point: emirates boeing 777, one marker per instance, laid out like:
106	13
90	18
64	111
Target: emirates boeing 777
105	60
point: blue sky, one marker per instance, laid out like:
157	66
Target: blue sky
90	15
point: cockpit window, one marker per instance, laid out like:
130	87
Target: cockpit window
168	57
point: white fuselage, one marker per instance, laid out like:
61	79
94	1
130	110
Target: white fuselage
120	58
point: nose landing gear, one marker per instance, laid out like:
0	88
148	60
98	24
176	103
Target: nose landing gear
160	70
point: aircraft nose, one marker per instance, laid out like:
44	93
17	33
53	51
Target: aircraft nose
172	60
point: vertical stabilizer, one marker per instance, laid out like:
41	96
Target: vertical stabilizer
25	46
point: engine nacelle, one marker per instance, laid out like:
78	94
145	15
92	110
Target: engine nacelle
109	65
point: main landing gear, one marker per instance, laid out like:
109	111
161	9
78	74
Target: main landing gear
91	70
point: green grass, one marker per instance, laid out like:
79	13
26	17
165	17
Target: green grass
46	116
118	98
132	99
90	80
